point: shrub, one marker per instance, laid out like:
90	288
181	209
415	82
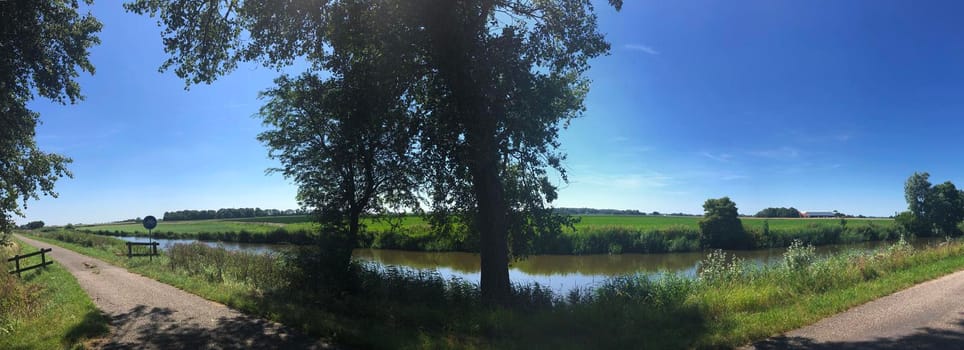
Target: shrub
717	267
799	256
721	226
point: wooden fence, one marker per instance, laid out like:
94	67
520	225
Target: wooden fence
43	261
151	251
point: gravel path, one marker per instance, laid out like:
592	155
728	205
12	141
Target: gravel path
929	315
147	314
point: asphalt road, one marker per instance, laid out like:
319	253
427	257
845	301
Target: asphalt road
147	314
929	315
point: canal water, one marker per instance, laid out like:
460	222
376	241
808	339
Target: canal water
558	272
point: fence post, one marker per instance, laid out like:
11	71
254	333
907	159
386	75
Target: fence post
43	258
129	254
16	260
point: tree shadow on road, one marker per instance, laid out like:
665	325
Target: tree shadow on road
93	326
925	338
163	331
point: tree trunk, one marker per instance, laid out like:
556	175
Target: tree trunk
491	222
454	29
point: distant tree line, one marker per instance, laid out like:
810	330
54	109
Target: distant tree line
592	211
33	225
790	212
228	213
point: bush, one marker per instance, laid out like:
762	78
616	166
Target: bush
721	226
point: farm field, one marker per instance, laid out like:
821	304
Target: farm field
198	226
303	223
656	222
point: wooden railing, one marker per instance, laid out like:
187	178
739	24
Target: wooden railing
43	261
151	251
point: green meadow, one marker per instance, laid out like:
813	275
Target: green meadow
602	234
300	222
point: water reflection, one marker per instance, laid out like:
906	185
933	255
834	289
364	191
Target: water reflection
559	272
233	246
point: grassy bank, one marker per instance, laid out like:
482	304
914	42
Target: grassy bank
46	308
592	235
731	303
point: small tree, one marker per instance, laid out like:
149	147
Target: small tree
721	226
33	225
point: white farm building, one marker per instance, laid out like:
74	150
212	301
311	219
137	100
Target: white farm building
817	214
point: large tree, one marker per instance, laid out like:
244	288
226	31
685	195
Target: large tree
42	45
931	209
946	208
497	79
346	140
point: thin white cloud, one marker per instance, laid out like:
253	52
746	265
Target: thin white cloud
641	48
807	136
722	157
843	137
777	153
625	181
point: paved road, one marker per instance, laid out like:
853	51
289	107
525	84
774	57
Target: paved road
147	314
929	315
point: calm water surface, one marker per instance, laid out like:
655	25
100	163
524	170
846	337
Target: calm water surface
559	272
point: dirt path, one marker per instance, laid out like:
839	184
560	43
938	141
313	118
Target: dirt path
147	314
929	315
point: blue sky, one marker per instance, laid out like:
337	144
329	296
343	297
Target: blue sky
820	105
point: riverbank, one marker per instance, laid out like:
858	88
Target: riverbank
45	308
729	303
592	235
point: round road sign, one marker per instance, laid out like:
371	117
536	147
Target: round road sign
150	222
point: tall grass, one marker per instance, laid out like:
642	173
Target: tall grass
594	235
46	308
261	272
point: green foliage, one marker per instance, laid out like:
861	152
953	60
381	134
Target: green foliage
721	226
799	256
778	213
493	83
911	224
43	47
33	225
946	208
717	268
916	192
229	213
932	210
263	272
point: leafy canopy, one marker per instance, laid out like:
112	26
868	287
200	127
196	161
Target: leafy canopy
42	46
931	210
496	81
721	226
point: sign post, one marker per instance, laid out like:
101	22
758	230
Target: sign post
150	222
